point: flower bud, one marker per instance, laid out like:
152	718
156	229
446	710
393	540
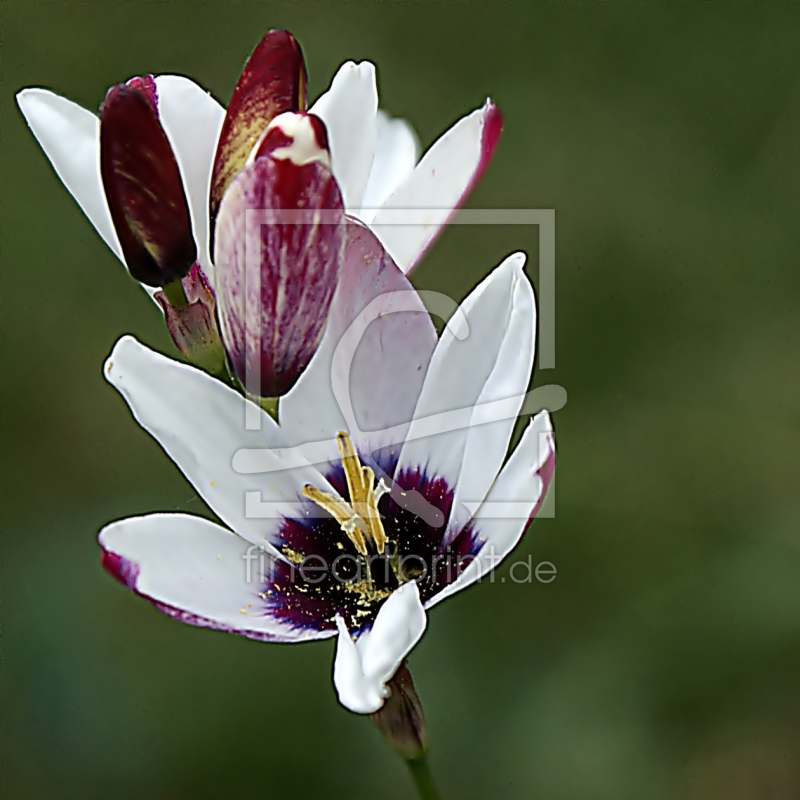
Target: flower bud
401	719
193	324
280	239
143	186
272	82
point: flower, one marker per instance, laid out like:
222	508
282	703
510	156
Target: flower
381	492
374	158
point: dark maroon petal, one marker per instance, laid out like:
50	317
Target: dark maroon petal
279	249
146	84
273	81
144	189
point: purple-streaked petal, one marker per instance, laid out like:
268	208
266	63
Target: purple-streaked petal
202	425
70	138
279	247
462	366
273	81
144	189
415	213
192	119
363	667
512	502
197	572
372	385
396	155
348	110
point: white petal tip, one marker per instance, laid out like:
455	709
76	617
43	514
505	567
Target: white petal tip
29	99
542	422
362	670
22	96
366	68
124	347
517	261
513	267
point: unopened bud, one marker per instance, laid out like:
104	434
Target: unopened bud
401	719
191	320
278	250
143	186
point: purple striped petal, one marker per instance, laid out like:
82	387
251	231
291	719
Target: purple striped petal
368	372
280	244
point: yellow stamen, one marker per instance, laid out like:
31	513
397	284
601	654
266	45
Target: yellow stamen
352	527
352	469
371	515
359	518
351	524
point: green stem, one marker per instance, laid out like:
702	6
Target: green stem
423	780
175	294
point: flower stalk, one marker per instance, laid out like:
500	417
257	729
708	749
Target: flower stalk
401	721
423	780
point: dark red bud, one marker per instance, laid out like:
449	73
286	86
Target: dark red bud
143	186
273	81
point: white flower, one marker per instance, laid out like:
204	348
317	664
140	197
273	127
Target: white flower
389	453
374	158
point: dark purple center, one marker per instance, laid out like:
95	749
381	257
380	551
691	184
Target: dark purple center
327	576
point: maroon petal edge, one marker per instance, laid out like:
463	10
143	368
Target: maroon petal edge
490	136
127	573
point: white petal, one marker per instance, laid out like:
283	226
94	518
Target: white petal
70	138
362	668
192	119
348	110
202	426
197	572
416	211
512	502
367	374
498	404
396	154
458	374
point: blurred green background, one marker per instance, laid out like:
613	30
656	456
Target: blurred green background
664	661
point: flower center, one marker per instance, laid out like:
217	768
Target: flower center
359	519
